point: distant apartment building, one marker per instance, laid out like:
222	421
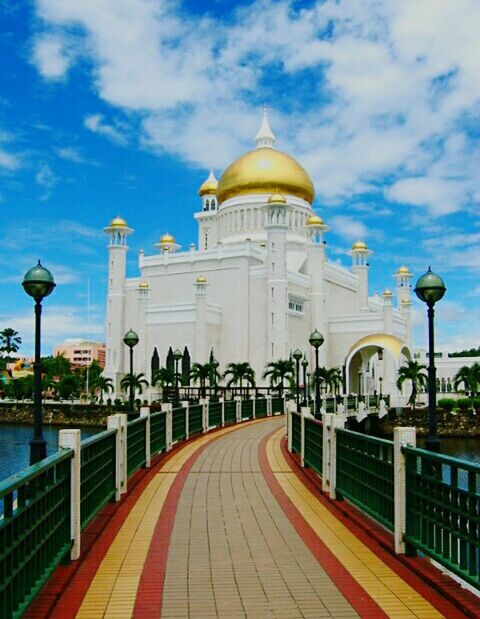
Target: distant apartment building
81	352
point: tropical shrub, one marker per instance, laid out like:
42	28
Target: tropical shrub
448	404
464	404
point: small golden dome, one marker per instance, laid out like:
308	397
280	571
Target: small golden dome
209	186
276	198
144	285
314	220
167	239
403	271
387	293
201	280
118	222
359	245
265	170
405	302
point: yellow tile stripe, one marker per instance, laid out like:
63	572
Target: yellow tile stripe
396	598
113	590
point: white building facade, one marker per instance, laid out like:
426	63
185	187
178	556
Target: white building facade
257	284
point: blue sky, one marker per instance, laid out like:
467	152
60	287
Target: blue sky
121	107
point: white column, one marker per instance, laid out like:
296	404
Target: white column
119	423
70	439
168	426
186	404
318	300
201	332
145	413
401	437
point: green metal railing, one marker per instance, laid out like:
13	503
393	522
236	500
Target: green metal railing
97	473
158	432
35	529
247	409
329	405
365	474
230	411
351	403
296	432
195	413
313	456
214	414
260	408
443	511
136	456
179	424
278	405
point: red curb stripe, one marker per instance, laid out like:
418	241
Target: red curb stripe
378	541
355	594
148	603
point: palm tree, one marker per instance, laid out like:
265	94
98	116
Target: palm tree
279	371
239	372
138	381
56	366
414	372
163	377
104	385
202	372
470	377
9	341
331	378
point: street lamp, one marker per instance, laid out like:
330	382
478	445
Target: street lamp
297	355
305	381
380	380
38	283
430	288
316	339
177	355
131	340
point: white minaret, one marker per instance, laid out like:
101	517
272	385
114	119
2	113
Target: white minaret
406	311
141	356
201	345
265	137
402	278
277	286
315	229
207	218
387	311
360	253
117	231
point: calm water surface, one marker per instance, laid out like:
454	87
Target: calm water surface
14	445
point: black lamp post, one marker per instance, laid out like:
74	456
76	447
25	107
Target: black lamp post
305	381
380	380
38	283
297	355
131	340
430	288
316	340
177	355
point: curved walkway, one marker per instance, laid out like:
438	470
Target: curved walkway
224	528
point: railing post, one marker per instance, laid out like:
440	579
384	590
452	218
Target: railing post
254	402
269	405
72	439
401	437
145	413
119	423
185	404
238	400
382	411
168	426
289	430
362	413
305	412
337	422
327	424
205	426
222	408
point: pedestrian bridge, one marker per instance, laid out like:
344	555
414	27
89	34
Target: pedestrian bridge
211	511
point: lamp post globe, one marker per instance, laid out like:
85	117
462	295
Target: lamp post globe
131	340
297	355
430	288
316	339
38	283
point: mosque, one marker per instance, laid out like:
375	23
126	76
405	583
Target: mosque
257	283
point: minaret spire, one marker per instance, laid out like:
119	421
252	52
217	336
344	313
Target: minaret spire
265	137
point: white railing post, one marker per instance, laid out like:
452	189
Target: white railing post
305	412
362	413
238	400
71	439
253	408
337	422
204	403
145	413
185	404
168	426
269	405
327	424
289	430
401	437
382	410
222	406
119	423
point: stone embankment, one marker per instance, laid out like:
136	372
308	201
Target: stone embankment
460	424
56	414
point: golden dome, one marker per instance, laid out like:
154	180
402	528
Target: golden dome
276	198
314	220
387	293
403	271
201	280
209	186
118	222
167	238
144	284
405	302
359	245
265	170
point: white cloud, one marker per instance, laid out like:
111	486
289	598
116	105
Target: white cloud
69	153
348	228
439	196
96	124
47	179
51	56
